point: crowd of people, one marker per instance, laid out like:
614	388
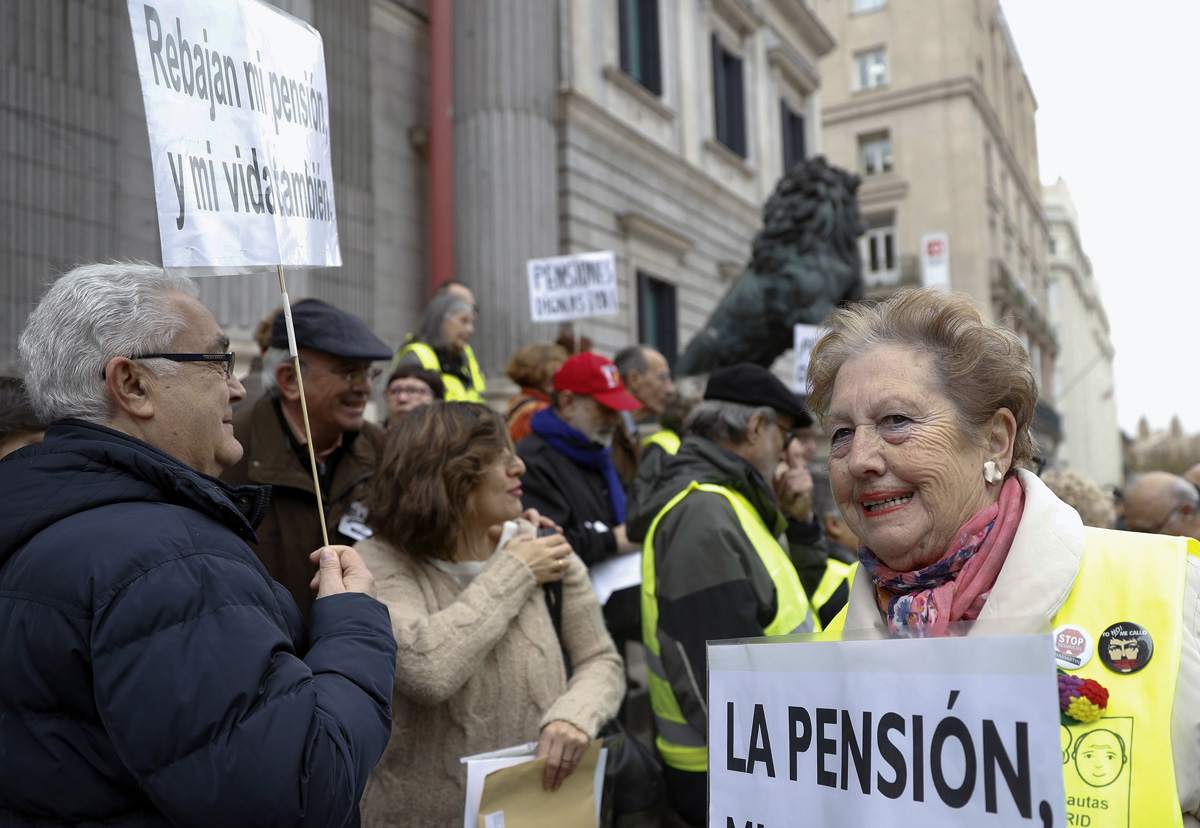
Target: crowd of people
209	621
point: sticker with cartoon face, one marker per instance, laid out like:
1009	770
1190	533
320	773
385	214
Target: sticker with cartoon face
1099	757
1097	771
1125	647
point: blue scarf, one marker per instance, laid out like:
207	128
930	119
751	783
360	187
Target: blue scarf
576	446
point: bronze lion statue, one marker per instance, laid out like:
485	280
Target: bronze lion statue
805	263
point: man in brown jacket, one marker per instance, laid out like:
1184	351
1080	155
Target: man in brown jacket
336	351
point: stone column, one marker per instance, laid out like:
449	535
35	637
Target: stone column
505	164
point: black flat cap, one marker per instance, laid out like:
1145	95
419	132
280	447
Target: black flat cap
751	384
322	327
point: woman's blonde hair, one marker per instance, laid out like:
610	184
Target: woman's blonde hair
1095	506
533	365
422	497
980	367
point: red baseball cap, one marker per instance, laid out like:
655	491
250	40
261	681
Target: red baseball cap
591	374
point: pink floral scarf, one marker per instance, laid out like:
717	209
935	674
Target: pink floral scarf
956	586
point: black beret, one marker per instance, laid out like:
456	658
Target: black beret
322	327
751	384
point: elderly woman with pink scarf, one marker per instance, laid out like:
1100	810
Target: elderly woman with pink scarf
929	411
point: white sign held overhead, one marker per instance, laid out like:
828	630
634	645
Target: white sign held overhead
804	339
237	107
935	261
930	732
572	287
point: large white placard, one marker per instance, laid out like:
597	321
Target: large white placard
933	732
935	261
237	107
572	287
804	339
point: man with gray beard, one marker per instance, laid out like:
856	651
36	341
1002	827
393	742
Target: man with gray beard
714	566
570	477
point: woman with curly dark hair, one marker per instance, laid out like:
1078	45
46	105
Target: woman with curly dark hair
480	666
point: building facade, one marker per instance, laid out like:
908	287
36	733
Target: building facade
1084	371
927	100
653	128
75	176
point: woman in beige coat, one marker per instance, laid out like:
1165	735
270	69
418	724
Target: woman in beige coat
480	666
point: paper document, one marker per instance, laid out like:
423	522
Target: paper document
526	752
617	573
504	788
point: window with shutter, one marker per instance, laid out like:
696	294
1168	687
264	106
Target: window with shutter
729	102
657	315
793	135
637	25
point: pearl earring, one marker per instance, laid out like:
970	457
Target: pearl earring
992	473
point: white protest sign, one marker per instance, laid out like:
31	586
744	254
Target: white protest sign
572	287
931	732
804	338
237	107
935	261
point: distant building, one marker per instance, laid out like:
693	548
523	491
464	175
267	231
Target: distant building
1170	450
927	100
1083	373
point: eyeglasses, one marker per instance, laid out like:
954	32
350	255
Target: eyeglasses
409	391
352	378
228	359
788	435
1158	530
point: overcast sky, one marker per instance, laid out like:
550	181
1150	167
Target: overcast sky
1115	84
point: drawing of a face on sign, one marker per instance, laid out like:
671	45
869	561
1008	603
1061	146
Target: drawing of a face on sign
1126	647
1097	773
1100	757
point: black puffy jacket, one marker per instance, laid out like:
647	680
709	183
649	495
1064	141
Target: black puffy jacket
151	672
573	496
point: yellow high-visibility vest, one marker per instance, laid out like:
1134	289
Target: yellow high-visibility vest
836	574
456	389
665	439
1140	579
1131	776
680	745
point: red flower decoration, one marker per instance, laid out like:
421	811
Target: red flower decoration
1094	692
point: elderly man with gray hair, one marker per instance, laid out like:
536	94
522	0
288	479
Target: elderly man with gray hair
152	673
647	377
1162	503
441	344
713	567
336	350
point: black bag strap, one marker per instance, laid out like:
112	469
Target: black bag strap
513	412
633	778
554	600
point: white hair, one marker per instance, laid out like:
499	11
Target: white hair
90	315
723	421
271	360
440	309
